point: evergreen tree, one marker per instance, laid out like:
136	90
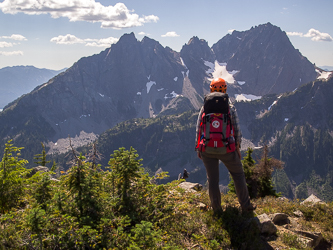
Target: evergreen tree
250	175
265	169
84	186
43	190
258	176
12	178
41	158
125	169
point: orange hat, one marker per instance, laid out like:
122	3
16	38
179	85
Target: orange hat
218	85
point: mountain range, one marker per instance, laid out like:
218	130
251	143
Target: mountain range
143	80
18	80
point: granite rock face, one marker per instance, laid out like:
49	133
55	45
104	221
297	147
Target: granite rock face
266	60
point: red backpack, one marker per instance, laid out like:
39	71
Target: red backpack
216	134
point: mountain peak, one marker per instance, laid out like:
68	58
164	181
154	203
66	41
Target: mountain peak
149	41
127	38
196	40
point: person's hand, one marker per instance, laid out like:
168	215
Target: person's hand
238	152
199	154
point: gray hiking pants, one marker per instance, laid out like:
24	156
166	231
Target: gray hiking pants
234	165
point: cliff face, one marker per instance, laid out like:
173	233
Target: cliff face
265	60
131	79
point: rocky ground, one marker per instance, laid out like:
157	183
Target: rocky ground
63	145
282	230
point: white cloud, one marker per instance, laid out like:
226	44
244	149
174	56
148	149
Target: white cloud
143	33
170	34
314	34
105	42
67	39
318	36
71	39
15	37
116	17
11	53
295	34
5	44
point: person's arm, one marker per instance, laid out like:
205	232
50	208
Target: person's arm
197	132
236	127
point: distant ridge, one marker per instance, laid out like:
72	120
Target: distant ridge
327	68
18	80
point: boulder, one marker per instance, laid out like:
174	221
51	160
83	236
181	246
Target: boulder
34	170
190	187
279	218
312	200
314	238
266	225
298	213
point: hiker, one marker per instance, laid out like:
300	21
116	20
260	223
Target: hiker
226	148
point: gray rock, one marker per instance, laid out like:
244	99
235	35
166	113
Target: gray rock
311	200
266	225
298	213
191	187
38	169
279	218
314	237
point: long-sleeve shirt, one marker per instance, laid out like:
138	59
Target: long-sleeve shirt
234	122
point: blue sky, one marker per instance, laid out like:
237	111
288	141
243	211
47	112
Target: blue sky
55	34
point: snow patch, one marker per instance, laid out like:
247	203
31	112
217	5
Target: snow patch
101	94
269	108
173	95
286	119
323	74
241	82
187	72
83	116
245	97
234	72
160	89
149	85
182	61
139	93
219	70
175	79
